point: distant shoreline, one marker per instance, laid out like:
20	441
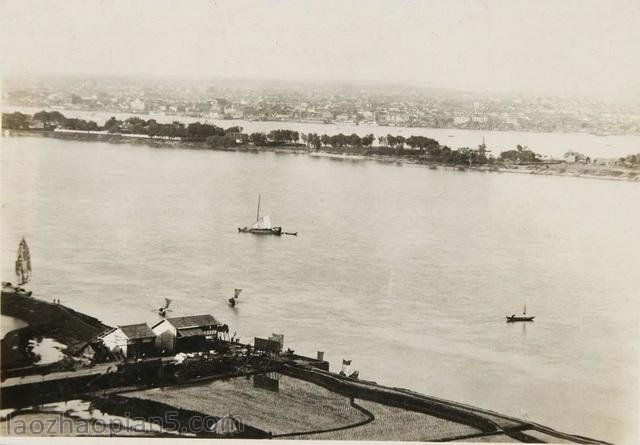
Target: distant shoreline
80	112
556	168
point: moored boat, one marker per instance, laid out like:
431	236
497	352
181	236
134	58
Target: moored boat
513	318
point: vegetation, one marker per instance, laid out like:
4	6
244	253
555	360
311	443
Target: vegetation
49	118
417	147
520	155
15	121
631	160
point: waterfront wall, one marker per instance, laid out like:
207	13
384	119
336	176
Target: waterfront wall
389	397
487	422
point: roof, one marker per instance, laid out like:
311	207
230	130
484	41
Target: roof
193	321
141	330
191	332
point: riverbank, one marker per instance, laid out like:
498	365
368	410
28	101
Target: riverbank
278	395
558	168
52	322
549	168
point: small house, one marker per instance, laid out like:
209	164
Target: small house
132	341
185	334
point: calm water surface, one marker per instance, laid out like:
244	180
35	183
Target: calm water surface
8	324
405	270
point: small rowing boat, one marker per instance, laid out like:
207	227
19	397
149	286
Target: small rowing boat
513	318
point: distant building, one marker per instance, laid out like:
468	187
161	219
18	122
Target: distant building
327	115
512	122
137	105
132	341
479	119
184	334
366	115
398	118
381	117
461	120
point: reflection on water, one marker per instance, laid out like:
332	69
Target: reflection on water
87	420
47	349
83	409
8	324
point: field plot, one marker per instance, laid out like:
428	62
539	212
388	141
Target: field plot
397	424
297	406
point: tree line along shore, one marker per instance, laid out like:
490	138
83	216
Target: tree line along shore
212	136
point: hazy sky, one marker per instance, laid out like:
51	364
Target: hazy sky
557	46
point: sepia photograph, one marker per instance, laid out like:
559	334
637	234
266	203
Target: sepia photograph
355	221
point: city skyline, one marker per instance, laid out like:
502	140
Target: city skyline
316	103
499	47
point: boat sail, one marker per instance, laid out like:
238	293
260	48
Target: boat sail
262	225
23	263
234	300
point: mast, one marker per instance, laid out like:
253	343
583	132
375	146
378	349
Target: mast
524	311
258	214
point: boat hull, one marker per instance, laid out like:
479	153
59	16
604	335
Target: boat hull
513	319
272	231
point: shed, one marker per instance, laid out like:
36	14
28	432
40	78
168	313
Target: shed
133	341
185	334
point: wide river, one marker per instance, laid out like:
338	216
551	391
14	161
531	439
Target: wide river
407	271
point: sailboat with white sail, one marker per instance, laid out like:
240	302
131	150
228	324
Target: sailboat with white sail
23	263
262	226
